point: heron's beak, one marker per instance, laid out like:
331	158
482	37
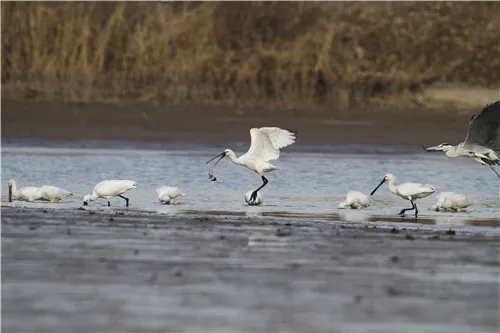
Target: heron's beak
221	155
10	193
376	188
433	148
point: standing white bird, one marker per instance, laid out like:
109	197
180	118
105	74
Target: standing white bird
356	200
258	199
408	191
265	147
451	201
482	142
168	194
53	193
108	189
28	193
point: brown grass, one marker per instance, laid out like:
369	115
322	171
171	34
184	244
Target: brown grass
291	54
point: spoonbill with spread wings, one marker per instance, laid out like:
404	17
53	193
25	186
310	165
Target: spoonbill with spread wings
265	147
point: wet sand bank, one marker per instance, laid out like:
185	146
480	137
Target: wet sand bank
219	125
81	271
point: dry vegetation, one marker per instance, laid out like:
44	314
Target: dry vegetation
292	54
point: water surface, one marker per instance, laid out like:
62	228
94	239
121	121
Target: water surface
307	185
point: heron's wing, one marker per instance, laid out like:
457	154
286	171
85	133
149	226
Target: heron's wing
267	141
484	129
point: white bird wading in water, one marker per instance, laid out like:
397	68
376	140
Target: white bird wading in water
27	193
408	191
108	189
265	147
482	142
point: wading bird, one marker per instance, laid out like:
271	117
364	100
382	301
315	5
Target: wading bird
28	193
258	199
482	142
52	193
168	194
408	191
265	147
356	200
451	201
108	189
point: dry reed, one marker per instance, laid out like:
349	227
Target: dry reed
291	54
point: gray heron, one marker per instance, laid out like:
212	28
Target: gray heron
482	142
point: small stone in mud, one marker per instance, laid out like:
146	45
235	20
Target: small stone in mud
451	232
394	230
393	291
68	232
222	237
409	237
358	298
394	258
111	219
288	224
32	227
145	233
136	251
178	273
45	211
435	236
283	232
212	177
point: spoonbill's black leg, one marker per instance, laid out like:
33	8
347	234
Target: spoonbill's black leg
126	199
109	203
254	193
402	212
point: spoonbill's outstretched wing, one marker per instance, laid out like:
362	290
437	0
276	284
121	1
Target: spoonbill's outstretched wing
484	129
267	141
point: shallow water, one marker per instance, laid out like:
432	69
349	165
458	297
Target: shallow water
308	185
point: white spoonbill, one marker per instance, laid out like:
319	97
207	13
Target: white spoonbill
53	193
108	189
265	147
356	200
258	199
408	191
168	194
451	201
482	142
28	193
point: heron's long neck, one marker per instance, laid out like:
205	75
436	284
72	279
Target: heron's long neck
392	186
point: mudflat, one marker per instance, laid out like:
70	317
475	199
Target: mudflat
116	271
218	125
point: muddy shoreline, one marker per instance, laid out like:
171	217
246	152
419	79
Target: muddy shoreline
219	125
150	273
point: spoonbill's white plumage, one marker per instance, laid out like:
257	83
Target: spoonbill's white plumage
257	201
451	201
482	142
408	191
108	189
53	193
265	146
356	200
168	194
28	193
